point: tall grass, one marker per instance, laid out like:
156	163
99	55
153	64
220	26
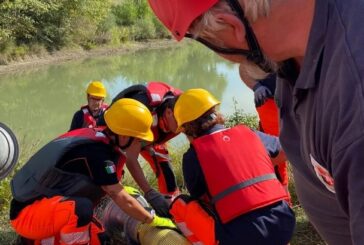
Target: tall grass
27	148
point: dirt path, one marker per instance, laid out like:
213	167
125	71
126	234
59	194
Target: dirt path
67	55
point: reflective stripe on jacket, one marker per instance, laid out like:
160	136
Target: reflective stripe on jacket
157	93
239	174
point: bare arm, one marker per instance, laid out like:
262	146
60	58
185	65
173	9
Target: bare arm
127	203
137	173
134	167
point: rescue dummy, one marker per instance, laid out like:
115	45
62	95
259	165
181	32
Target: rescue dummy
127	230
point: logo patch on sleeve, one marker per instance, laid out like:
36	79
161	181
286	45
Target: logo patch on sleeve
110	167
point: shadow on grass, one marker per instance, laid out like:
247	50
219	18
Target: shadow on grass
304	233
8	237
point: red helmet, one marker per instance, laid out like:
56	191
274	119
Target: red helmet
177	15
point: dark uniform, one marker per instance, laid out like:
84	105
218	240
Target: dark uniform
321	110
56	190
80	120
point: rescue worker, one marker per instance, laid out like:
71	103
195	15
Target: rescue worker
268	116
235	196
157	97
316	48
87	116
55	192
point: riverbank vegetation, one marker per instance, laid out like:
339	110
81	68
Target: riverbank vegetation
304	233
39	27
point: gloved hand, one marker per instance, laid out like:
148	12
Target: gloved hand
261	94
131	190
158	202
163	223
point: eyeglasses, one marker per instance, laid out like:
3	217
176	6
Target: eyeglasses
254	54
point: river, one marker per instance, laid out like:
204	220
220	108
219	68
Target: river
38	103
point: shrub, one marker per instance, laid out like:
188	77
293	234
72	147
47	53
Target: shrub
240	117
37	49
161	31
143	29
125	13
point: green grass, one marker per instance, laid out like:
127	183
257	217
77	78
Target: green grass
7	236
304	232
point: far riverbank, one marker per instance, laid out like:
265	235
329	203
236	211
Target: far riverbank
78	53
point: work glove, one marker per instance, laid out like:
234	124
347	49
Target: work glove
158	202
261	94
163	223
131	190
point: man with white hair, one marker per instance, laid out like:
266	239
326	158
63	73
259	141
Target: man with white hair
316	48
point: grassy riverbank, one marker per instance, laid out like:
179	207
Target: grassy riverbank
67	54
40	27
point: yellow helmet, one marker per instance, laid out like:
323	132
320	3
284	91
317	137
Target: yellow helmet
97	89
129	117
192	104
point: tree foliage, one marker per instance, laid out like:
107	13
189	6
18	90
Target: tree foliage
55	24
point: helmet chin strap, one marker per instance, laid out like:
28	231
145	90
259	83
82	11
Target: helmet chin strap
130	141
115	138
253	54
162	124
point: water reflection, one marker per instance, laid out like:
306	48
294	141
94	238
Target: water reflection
38	104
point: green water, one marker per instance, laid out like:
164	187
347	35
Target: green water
38	104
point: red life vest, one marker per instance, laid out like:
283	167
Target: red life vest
238	172
157	92
88	120
40	176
